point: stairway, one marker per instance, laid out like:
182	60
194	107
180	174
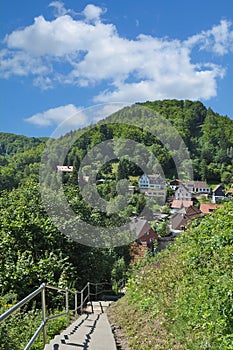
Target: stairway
91	331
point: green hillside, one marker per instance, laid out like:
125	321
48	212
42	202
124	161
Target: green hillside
183	299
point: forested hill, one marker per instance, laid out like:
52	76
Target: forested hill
11	143
207	135
20	158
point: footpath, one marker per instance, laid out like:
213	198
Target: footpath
91	331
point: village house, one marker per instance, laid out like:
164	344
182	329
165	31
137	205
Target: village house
153	186
174	184
182	193
218	194
145	238
194	188
197	187
180	220
155	181
143	231
156	193
65	168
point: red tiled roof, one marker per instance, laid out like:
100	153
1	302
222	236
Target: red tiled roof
207	208
177	203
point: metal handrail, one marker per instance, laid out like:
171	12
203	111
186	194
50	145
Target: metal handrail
21	303
45	319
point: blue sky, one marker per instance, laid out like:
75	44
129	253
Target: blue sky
60	58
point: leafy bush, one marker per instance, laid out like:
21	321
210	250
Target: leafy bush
17	330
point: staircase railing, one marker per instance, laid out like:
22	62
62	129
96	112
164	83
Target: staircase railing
85	294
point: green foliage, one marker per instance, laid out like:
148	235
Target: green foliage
33	250
118	274
16	331
11	144
162	229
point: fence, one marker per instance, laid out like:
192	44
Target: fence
80	299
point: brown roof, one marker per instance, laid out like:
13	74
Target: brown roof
175	181
178	204
140	227
199	184
180	219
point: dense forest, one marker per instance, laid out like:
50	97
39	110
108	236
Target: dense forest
162	135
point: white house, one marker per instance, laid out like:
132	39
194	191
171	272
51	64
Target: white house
197	187
65	168
218	193
183	193
156	182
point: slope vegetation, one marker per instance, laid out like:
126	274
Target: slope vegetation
184	299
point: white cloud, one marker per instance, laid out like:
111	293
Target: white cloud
22	64
92	12
218	39
94	54
60	10
70	115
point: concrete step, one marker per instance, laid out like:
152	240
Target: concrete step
90	331
97	306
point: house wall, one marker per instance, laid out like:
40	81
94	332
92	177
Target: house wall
146	183
182	194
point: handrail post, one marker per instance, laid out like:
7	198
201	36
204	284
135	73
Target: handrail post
67	306
88	291
75	304
81	306
96	291
44	313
